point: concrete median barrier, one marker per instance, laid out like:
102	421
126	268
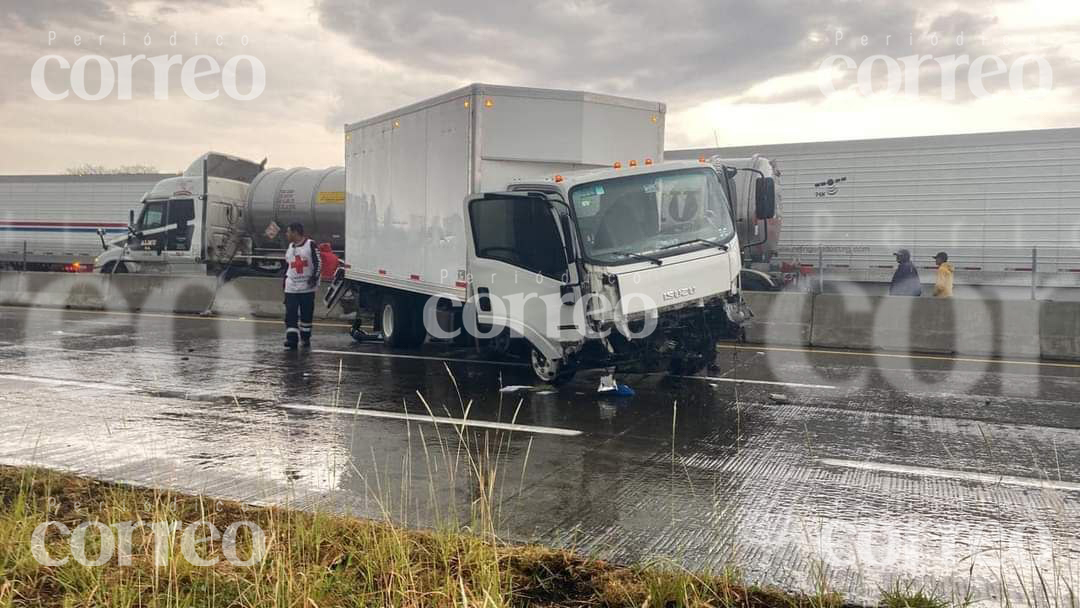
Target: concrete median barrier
782	319
80	291
931	325
186	294
1059	325
976	326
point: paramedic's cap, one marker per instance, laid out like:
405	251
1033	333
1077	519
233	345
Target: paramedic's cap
941	255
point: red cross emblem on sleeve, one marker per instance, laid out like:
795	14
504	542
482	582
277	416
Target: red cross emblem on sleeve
299	264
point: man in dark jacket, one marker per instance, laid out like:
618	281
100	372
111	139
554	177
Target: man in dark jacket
905	281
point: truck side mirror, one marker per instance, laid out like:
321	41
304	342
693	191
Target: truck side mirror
568	237
131	218
765	198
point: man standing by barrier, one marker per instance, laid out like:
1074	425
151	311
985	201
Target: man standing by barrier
905	281
944	281
301	281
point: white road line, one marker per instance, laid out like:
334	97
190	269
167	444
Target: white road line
502	426
65	382
420	357
1028	482
765	382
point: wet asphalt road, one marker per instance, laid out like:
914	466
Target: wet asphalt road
793	465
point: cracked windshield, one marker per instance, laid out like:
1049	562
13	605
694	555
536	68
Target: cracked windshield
650	216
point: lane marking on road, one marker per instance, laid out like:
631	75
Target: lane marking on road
65	382
987	478
420	357
848	353
460	422
765	382
502	426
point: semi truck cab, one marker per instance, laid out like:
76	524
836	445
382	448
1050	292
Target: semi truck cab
178	229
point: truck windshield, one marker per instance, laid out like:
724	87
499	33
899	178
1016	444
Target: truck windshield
654	215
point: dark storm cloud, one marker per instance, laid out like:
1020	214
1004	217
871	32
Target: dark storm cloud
684	51
690	49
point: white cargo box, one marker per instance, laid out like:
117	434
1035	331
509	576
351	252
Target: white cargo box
409	171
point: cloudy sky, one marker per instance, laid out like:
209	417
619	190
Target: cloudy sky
737	73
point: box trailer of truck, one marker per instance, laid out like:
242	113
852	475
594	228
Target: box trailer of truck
51	222
988	199
544	217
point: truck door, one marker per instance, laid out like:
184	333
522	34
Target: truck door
180	214
520	276
149	226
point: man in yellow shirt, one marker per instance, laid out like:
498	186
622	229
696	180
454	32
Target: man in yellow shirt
943	284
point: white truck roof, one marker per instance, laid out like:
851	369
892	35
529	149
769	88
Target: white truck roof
481	89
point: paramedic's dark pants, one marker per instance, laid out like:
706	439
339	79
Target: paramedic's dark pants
299	309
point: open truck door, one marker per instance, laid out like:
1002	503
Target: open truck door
524	281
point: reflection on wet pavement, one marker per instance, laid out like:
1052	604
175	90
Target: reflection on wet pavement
785	463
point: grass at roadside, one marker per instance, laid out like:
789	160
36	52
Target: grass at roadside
311	560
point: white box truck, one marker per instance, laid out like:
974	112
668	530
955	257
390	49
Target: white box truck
51	222
987	199
541	217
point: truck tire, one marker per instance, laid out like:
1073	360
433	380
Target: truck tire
401	322
555	373
108	268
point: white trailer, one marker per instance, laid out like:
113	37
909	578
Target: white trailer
51	222
479	207
987	199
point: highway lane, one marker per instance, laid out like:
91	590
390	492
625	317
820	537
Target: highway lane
793	465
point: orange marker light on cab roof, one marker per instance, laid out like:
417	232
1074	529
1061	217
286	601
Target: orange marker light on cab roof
633	163
701	159
648	161
617	165
488	103
558	178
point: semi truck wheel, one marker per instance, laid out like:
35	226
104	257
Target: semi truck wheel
402	325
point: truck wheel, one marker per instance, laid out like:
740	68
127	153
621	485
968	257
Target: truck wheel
108	268
401	323
548	371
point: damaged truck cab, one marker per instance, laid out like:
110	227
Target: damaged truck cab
642	261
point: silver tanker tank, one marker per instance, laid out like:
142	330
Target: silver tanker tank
313	197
